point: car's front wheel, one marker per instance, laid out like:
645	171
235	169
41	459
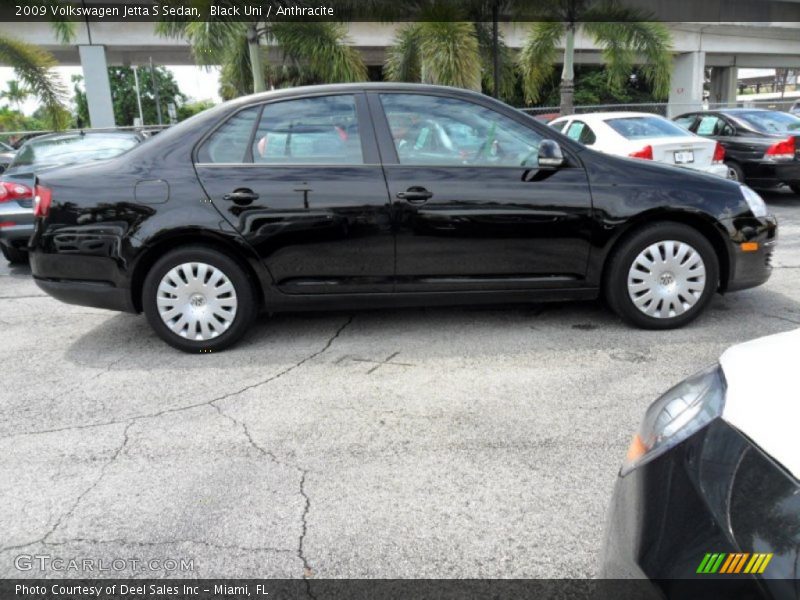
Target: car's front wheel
198	299
662	277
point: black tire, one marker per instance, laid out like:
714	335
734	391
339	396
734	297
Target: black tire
623	257
246	298
14	255
795	187
735	172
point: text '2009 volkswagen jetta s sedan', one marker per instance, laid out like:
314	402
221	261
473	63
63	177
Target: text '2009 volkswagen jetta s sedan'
385	195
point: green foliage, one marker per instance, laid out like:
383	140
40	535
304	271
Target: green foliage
123	94
33	67
591	87
189	109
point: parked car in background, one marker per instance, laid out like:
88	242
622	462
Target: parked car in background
385	195
39	155
709	488
645	136
762	147
6	156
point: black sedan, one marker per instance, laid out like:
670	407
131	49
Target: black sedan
385	195
707	504
36	156
762	147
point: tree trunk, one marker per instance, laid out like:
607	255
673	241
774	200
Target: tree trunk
568	73
255	59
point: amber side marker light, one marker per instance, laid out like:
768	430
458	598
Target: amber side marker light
749	246
636	450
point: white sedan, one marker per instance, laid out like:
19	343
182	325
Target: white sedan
644	136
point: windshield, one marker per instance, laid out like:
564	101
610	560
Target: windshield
768	121
636	128
71	149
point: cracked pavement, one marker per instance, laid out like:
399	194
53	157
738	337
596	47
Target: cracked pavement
446	442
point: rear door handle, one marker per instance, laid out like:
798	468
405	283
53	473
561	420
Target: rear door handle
241	196
415	195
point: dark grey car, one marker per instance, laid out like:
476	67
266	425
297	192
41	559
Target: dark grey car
40	154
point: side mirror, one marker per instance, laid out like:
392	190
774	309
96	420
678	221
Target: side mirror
550	154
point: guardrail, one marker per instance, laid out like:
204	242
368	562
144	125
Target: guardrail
26	134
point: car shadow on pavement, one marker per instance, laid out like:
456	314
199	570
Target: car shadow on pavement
126	341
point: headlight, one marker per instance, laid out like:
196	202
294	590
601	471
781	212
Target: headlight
754	201
681	412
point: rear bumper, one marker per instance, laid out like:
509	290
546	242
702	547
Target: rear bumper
18	234
718	170
97	294
767	173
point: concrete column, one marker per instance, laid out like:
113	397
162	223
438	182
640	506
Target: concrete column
723	85
686	87
98	89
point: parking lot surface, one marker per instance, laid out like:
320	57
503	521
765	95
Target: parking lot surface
447	442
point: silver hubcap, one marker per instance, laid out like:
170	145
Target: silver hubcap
666	279
196	301
732	174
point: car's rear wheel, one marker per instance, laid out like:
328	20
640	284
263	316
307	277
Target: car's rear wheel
198	299
662	277
735	172
14	255
795	187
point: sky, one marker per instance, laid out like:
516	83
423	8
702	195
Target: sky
196	83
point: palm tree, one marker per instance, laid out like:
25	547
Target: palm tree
314	51
15	93
451	44
34	68
623	34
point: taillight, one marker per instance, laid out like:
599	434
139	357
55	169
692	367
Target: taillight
783	150
41	201
646	153
719	154
14	191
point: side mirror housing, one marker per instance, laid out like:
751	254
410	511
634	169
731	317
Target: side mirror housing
550	154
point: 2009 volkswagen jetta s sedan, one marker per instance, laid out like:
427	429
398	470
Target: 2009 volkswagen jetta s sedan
385	195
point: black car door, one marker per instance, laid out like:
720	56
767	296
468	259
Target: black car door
472	210
301	180
740	145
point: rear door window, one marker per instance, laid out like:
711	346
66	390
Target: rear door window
581	132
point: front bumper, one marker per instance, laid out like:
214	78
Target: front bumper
748	268
698	498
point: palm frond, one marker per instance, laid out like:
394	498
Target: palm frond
402	56
537	57
449	54
236	75
323	48
625	41
33	66
507	71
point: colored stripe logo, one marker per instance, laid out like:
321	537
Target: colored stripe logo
741	562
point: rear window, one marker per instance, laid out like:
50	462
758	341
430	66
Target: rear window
635	128
770	121
72	149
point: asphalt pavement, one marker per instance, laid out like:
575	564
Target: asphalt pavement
446	442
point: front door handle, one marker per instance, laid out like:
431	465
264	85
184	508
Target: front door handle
415	195
241	196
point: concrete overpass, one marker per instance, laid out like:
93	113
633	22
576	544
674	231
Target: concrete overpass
724	46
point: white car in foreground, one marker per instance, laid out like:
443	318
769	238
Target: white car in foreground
644	136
